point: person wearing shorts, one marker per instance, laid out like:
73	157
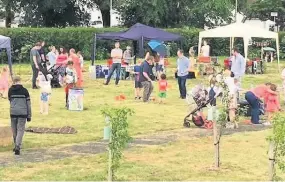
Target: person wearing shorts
162	83
138	84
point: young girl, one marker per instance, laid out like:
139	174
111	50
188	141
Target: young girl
162	83
4	83
272	104
70	80
45	89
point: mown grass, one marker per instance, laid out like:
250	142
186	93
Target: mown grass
243	157
148	118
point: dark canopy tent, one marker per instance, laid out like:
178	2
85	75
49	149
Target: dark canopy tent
5	43
139	33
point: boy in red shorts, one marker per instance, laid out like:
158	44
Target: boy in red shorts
162	83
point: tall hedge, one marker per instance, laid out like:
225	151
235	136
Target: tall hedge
81	39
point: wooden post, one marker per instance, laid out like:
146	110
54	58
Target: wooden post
216	144
271	155
110	175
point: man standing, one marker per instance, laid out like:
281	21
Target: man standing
183	65
238	65
117	55
20	111
42	51
35	59
145	78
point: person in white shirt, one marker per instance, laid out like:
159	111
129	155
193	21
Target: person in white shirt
205	50
233	85
117	55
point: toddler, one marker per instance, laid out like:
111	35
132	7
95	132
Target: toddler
138	84
272	104
70	80
4	83
45	89
162	83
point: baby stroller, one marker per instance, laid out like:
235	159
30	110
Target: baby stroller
200	96
55	73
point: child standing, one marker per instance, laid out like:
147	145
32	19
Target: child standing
233	85
4	83
70	80
272	104
20	111
162	83
138	84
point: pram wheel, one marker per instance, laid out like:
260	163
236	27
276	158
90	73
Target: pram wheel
186	123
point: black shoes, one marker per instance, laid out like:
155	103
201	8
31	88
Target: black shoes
35	88
16	150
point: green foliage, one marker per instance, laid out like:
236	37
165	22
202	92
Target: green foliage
278	138
81	39
119	134
262	9
197	13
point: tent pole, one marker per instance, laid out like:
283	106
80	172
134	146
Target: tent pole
94	50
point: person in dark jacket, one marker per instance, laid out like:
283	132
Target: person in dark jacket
20	111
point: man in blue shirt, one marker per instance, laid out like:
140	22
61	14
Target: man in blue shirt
183	64
145	79
238	65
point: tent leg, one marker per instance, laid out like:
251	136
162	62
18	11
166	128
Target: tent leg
93	56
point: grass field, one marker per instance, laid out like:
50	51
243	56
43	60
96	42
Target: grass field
244	155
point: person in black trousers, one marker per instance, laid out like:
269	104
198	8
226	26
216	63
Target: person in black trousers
183	64
35	59
117	55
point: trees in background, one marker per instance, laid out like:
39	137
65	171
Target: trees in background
161	13
168	13
262	9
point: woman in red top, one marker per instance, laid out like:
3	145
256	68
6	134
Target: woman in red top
77	65
62	57
253	96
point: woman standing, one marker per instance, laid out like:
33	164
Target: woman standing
77	65
62	57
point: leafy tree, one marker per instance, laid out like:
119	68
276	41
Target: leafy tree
262	9
55	13
168	13
104	6
8	8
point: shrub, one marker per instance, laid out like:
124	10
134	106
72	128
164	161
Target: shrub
82	39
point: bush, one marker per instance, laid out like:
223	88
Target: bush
82	39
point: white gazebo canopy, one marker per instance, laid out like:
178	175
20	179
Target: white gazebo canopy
241	30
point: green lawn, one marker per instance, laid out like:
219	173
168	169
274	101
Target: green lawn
188	159
243	158
148	118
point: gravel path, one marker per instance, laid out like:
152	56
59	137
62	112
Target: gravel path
91	148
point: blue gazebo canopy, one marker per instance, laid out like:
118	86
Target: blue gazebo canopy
139	33
5	43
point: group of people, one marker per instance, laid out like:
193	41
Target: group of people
42	62
19	97
144	76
